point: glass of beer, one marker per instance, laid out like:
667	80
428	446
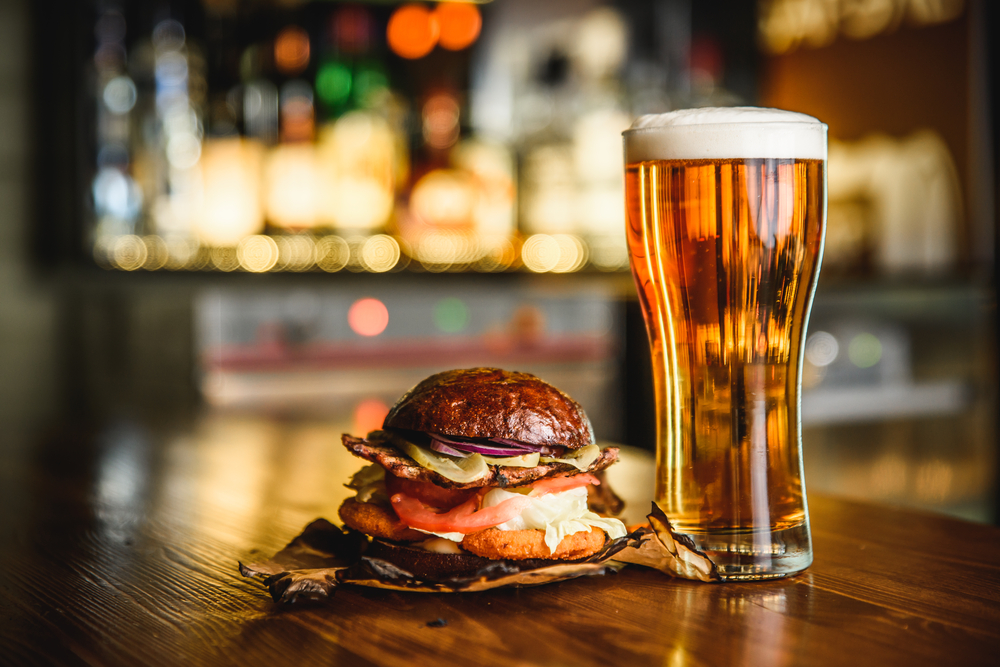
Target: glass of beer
726	215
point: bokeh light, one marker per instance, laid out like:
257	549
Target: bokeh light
822	349
224	258
333	83
369	85
353	28
444	250
156	253
296	252
440	116
451	315
168	35
459	24
412	31
120	95
332	253
444	197
116	194
230	172
496	253
608	252
380	253
297	115
293	187
572	253
257	253
128	252
291	50
368	317
864	350
540	253
369	415
181	253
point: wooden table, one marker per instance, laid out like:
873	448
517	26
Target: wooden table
119	547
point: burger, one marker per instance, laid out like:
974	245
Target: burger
480	465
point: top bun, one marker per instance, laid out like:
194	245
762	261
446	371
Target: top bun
492	403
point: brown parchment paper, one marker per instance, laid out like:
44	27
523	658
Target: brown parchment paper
324	556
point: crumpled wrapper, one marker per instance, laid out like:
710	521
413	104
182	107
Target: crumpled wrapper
664	549
324	557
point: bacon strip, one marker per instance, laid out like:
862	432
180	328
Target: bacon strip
401	465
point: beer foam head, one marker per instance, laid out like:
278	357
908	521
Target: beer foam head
725	133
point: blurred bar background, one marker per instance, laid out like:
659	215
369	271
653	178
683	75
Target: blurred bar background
272	217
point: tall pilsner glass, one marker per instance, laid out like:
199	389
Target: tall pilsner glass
726	214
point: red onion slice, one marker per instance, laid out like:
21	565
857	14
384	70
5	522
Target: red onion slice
519	445
495	447
492	451
442	448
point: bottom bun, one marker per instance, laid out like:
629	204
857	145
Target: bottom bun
424	564
527	544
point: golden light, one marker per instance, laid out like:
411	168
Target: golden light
541	253
459	24
156	253
128	253
230	208
491	166
332	253
291	50
293	186
609	253
180	252
368	317
439	251
444	197
412	31
224	259
296	253
357	159
380	253
496	253
572	253
359	203
257	253
356	246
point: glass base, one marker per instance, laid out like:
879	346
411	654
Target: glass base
756	556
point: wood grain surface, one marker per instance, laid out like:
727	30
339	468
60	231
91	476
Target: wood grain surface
119	547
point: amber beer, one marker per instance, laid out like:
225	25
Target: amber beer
726	213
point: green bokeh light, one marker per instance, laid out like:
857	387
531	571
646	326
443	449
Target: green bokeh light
451	315
333	83
368	83
864	350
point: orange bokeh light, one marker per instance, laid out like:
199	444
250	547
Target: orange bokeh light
291	50
368	317
460	23
412	31
369	415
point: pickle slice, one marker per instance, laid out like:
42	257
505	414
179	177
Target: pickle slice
463	471
529	460
581	459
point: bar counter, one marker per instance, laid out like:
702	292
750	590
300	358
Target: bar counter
119	546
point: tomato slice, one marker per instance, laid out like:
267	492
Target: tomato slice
462	519
428	492
557	484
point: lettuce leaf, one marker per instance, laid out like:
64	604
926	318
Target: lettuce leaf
558	514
